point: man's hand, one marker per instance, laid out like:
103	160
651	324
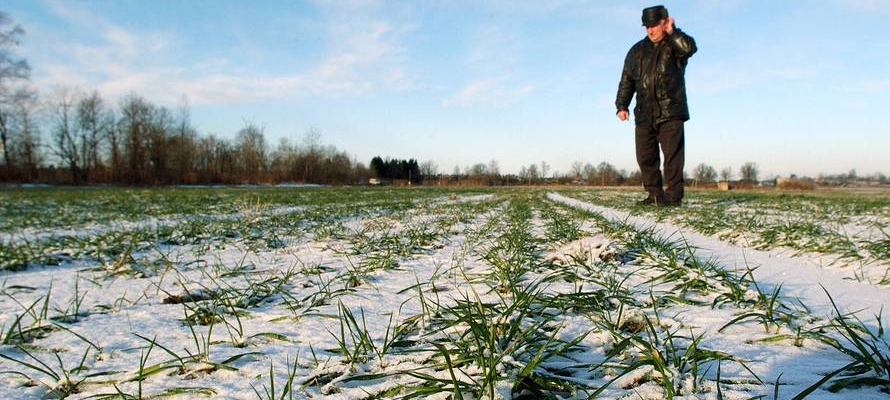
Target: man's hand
622	115
668	25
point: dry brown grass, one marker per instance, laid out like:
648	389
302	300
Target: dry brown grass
795	184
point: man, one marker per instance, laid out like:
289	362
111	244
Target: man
654	69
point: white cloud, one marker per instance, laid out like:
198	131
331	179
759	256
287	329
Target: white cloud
364	55
118	62
493	49
473	93
491	91
363	59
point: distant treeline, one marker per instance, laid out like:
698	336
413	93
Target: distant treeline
84	141
394	169
77	138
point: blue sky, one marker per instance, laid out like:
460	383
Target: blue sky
795	86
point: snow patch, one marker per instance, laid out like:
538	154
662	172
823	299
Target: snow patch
590	249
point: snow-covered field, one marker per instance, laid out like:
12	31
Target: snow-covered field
369	294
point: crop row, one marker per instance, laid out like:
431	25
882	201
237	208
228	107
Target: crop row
850	231
39	209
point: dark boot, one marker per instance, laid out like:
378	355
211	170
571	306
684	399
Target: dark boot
671	203
651	201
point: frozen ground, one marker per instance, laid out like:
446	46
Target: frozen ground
526	298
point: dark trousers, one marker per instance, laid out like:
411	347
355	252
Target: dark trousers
669	135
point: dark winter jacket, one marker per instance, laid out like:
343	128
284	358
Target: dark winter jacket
655	72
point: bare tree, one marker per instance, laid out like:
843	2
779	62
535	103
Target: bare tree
704	173
477	171
5	140
607	174
158	140
360	172
726	174
27	146
251	147
281	160
749	172
94	123
135	125
316	163
79	125
115	153
65	131
533	174
336	167
311	154
207	158
428	169
545	169
215	159
183	145
494	169
589	173
12	69
577	169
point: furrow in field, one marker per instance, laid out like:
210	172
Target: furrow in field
798	277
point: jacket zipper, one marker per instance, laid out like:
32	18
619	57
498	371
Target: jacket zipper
656	110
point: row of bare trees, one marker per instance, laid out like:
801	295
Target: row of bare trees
704	173
69	136
139	143
603	174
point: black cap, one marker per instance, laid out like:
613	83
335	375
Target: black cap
652	15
